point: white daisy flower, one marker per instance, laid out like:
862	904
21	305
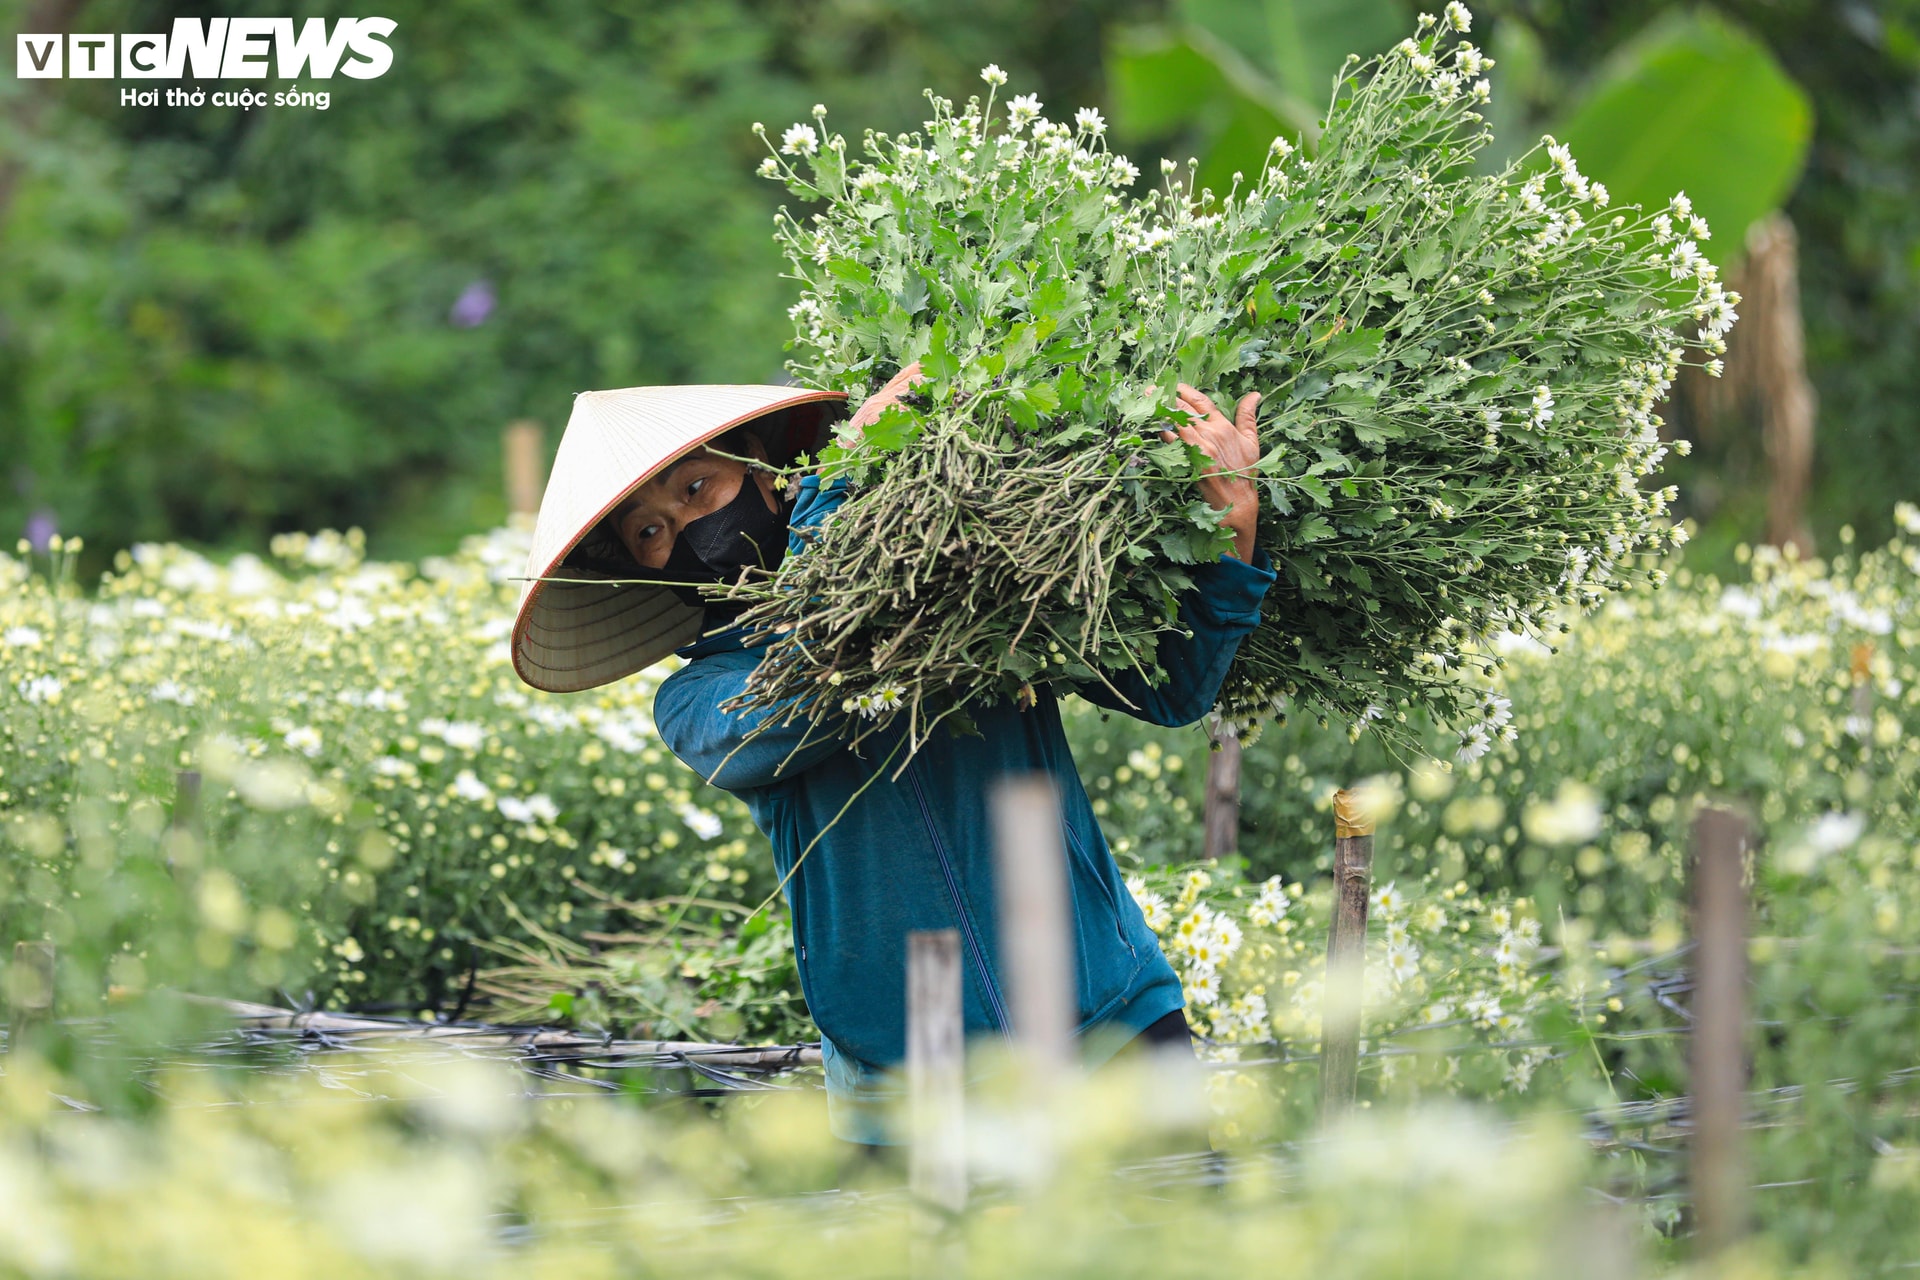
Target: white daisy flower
799	140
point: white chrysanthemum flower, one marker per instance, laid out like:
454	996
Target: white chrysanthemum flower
1203	989
1273	897
1542	412
1597	192
1226	934
304	739
1089	120
1124	170
464	735
1683	260
1474	743
1023	111
1682	206
1459	17
468	786
41	689
1403	964
993	75
1388	900
799	140
170	690
769	168
705	825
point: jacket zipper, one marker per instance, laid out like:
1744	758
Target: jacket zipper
1106	890
959	906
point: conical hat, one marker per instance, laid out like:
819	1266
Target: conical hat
572	636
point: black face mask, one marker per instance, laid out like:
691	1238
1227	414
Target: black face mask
714	548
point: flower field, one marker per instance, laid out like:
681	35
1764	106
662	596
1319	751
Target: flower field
382	811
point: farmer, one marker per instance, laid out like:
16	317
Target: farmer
637	493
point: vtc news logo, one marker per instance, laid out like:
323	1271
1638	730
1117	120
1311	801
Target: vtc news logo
214	49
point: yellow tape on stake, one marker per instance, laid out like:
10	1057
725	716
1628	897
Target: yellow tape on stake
1348	818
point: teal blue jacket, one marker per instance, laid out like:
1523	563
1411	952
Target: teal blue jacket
917	853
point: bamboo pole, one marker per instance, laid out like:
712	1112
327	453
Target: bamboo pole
523	445
1034	919
1222	805
936	1047
540	1039
1862	668
1034	944
30	988
1346	956
1777	341
186	799
1717	1046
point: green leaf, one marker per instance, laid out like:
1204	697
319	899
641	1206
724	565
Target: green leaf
1353	349
895	427
1695	103
939	362
848	269
1042	397
1241	145
1425	259
1309	39
1314	528
912	296
1157	82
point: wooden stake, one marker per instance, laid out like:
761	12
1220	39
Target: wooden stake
1717	1048
1222	805
29	988
1863	687
186	799
936	1048
524	447
1776	340
1035	920
1346	956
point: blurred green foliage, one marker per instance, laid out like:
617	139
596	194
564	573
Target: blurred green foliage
216	324
1743	103
1856	208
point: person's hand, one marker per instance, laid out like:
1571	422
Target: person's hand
869	412
1235	448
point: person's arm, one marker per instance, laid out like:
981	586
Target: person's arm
1223	605
734	750
737	750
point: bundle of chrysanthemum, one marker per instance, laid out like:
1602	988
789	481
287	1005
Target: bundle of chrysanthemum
1459	372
